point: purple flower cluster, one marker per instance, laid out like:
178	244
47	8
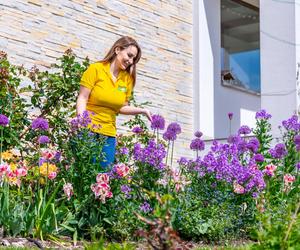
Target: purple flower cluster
259	158
279	151
197	144
262	115
253	145
153	154
123	151
172	131
298	165
297	142
126	190
3	120
223	162
158	122
81	121
43	139
244	130
40	124
137	130
292	123
145	207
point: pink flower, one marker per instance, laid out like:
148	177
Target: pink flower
48	154
68	190
238	189
3	169
21	172
102	178
288	178
101	188
270	169
122	170
52	175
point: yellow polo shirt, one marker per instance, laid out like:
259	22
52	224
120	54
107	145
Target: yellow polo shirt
106	97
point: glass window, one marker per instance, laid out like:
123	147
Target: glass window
240	52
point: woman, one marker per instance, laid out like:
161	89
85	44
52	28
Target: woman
105	89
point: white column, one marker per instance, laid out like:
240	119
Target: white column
279	34
206	50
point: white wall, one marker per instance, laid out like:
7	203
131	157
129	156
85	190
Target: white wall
215	100
278	58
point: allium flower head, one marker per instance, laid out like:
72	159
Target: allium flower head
137	130
245	130
169	136
43	139
3	120
158	122
174	127
198	134
253	145
40	124
262	115
197	144
259	158
230	115
298	165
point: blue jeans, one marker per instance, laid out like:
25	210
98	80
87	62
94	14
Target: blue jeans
109	150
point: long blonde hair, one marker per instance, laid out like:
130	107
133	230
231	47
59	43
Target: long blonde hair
123	43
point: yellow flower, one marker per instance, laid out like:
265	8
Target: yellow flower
47	168
42	181
13	166
7	155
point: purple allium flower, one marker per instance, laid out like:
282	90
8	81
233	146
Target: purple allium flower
230	115
297	139
124	151
183	161
169	136
3	120
126	190
234	139
263	115
158	122
174	127
279	151
40	124
254	194
43	139
259	158
291	123
42	161
245	130
253	145
197	144
137	130
145	207
198	134
298	165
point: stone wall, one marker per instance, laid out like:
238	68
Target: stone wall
39	31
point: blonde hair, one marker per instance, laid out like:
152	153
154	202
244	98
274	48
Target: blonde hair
123	43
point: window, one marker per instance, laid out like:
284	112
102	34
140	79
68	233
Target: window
240	52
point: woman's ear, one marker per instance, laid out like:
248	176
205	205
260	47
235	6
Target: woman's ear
117	50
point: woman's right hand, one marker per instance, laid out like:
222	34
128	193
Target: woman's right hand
148	114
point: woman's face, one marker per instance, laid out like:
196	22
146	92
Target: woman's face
125	57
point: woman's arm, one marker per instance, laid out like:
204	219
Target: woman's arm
82	99
129	110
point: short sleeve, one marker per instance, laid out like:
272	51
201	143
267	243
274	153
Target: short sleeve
89	77
129	89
